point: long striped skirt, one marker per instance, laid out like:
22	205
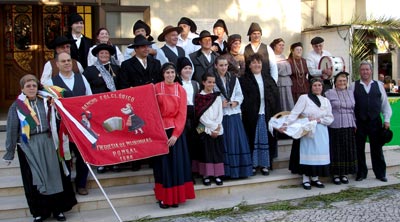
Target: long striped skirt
237	156
343	151
261	146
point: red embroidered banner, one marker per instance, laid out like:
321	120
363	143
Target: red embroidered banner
115	127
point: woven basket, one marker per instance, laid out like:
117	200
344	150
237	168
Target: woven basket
285	113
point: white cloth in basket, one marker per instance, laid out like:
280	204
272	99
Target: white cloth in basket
299	128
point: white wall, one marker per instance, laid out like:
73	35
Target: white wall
277	18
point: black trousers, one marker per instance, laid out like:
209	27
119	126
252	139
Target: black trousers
370	129
81	168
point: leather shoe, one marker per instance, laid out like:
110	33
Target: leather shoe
162	205
344	180
360	178
254	171
37	219
383	179
116	168
82	191
317	183
218	181
307	186
60	217
175	205
336	180
206	181
101	169
265	171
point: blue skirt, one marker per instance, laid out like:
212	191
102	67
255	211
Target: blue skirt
261	145
237	156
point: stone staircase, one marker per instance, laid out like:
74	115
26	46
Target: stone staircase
132	192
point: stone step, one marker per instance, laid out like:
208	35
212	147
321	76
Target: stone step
137	201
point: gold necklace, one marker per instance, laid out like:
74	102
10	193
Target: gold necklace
299	73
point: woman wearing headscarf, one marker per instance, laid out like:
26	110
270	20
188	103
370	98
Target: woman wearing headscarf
103	37
192	88
312	159
342	137
47	189
237	65
284	72
261	102
172	174
102	76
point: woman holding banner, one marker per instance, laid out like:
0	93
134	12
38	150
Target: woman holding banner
47	189
172	171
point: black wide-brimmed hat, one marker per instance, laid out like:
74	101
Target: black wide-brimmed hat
59	41
103	46
385	136
204	34
139	40
189	22
139	24
167	30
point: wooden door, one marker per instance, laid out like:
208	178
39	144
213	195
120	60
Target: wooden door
26	31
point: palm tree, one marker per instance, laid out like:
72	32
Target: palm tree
365	33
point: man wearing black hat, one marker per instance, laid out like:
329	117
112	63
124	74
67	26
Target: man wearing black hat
141	28
313	58
60	44
269	65
139	70
142	68
203	59
80	49
371	101
220	46
170	51
188	33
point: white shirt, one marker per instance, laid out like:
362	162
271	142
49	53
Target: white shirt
161	55
48	71
237	96
385	106
260	84
212	117
187	85
78	40
306	107
187	44
313	59
92	59
70	81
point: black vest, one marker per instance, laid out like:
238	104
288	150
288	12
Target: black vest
368	106
79	86
171	56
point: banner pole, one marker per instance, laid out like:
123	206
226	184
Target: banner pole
104	193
